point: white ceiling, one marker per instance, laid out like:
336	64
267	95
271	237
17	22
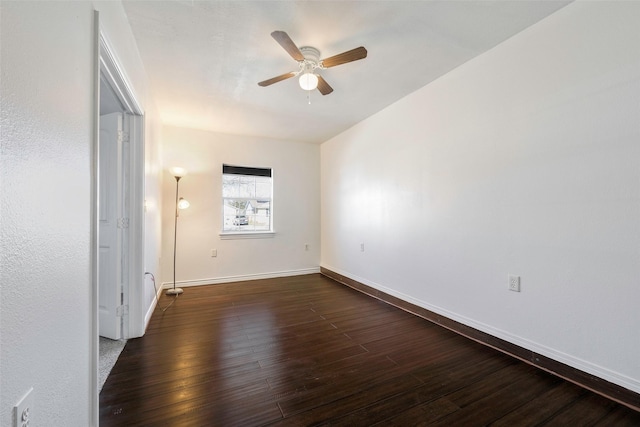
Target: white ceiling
205	58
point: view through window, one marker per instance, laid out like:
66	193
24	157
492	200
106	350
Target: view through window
246	197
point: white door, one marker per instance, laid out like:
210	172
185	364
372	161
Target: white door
109	254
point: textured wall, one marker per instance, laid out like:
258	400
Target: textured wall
45	178
523	161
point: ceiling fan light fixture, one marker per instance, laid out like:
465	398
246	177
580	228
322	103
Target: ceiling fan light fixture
308	81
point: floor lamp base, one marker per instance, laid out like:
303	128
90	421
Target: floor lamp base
174	291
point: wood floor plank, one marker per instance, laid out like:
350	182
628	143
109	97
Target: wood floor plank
305	350
542	407
620	416
497	397
588	409
363	401
421	415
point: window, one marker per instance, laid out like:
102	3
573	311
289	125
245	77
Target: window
246	199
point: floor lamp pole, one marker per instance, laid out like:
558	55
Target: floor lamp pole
175	291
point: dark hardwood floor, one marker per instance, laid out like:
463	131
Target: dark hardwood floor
306	350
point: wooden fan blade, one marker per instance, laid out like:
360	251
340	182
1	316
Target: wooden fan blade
287	44
277	79
343	58
323	86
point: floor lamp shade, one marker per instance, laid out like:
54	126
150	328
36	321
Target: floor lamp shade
178	172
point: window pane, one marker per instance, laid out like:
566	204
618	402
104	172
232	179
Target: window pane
259	213
229	185
246	201
263	188
247	215
246	187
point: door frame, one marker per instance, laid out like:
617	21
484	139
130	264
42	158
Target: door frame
106	63
133	325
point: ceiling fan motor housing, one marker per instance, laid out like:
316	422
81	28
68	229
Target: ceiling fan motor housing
311	59
310	53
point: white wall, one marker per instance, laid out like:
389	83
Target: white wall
153	211
296	209
45	210
525	160
45	202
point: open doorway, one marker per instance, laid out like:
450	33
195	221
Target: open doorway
112	238
119	213
112	214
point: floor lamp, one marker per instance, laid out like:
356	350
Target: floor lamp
180	204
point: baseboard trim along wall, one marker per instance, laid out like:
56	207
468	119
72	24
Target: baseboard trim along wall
241	278
591	382
152	306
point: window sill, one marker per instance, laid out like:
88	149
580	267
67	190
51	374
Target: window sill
233	235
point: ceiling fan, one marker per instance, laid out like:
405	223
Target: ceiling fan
309	61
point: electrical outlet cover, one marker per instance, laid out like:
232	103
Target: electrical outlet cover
514	283
22	412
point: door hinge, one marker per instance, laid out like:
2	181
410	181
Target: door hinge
123	222
123	136
122	310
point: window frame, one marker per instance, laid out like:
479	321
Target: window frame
247	172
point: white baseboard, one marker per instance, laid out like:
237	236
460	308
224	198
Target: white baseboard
240	278
152	307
